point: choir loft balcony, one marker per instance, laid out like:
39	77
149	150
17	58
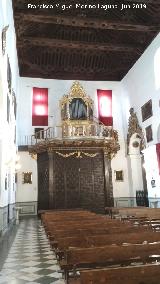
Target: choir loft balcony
78	128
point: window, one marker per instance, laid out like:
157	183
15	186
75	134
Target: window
105	107
40	107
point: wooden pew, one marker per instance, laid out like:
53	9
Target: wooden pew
75	223
107	239
63	215
101	223
76	259
68	213
62	244
53	235
85	225
134	211
69	216
85	221
96	250
68	220
138	237
147	274
81	219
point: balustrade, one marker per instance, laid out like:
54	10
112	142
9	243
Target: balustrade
93	130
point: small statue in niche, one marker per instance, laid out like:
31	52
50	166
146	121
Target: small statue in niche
105	132
110	133
90	113
133	124
64	112
134	127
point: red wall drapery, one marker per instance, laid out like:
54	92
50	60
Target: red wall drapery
158	155
40	107
105	107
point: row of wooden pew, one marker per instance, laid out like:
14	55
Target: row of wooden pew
95	249
133	211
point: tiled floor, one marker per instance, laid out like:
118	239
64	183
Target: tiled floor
30	259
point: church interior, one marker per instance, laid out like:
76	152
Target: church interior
79	141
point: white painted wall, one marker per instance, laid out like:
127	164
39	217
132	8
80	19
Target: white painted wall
141	84
58	88
7	146
119	162
152	172
26	192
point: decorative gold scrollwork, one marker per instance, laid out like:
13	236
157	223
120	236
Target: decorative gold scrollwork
78	154
76	91
76	106
134	127
33	156
111	150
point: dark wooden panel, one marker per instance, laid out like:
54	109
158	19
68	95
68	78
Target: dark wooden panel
43	181
72	186
71	182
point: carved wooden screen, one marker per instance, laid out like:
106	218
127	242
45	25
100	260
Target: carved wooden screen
92	183
72	186
74	183
79	182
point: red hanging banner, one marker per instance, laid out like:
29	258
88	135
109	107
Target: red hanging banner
40	107
105	107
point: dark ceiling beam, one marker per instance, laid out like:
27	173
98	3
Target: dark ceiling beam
56	43
84	22
43	69
32	69
110	76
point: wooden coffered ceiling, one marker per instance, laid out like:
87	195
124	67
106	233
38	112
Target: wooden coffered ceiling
95	42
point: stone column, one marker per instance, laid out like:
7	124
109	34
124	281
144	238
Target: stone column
135	160
136	176
144	182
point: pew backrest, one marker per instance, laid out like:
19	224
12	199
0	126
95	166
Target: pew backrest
149	274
